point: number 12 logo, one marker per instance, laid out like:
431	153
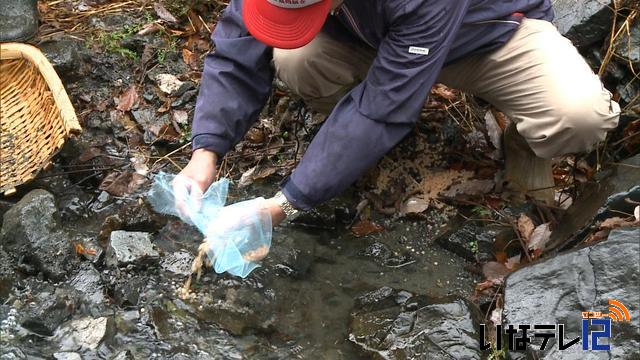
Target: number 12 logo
596	334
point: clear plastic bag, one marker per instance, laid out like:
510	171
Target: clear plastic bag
238	236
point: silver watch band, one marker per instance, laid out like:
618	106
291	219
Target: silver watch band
290	211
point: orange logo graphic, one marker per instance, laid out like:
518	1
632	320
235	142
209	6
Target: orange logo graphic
618	312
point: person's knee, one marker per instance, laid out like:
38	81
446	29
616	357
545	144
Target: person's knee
298	69
575	123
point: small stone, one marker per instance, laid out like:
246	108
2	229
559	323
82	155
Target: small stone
129	247
178	263
84	333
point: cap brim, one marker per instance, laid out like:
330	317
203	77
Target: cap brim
284	28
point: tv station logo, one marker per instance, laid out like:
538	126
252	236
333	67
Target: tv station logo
596	332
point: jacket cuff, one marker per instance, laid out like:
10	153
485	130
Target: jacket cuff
295	196
215	143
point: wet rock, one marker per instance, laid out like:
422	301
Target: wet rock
89	283
19	20
48	310
127	291
170	321
184	99
67	356
85	333
7	275
471	242
240	310
66	55
580	280
127	247
132	217
400	327
627	46
30	231
384	256
597	201
585	24
291	256
184	87
178	263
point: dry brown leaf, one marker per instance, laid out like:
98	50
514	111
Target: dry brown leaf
128	99
539	237
120	184
366	227
493	129
150	28
89	154
190	58
614	222
470	187
525	227
494	270
414	205
513	262
164	14
444	92
255	173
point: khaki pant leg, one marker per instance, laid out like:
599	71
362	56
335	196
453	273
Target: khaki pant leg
324	70
540	80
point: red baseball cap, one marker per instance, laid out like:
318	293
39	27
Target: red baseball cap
285	24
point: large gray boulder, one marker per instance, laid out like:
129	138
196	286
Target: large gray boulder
584	22
30	231
558	290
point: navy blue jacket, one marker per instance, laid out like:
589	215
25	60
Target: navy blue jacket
376	114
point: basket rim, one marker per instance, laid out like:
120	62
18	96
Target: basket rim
11	51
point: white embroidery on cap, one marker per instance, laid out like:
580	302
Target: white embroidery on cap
293	4
418	50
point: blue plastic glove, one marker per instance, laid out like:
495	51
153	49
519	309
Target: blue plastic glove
238	236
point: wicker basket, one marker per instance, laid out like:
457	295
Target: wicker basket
36	115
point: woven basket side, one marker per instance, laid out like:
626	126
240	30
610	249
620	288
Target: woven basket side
36	57
33	127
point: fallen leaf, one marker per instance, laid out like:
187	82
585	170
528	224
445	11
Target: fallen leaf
539	237
414	205
81	250
494	270
484	286
128	99
120	184
190	58
89	154
366	227
525	227
496	316
163	13
513	262
255	173
614	222
181	117
150	28
493	129
502	257
470	187
168	83
444	92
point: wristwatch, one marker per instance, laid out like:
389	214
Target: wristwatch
286	206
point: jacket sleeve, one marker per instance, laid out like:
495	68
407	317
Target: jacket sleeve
236	83
384	108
